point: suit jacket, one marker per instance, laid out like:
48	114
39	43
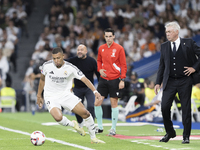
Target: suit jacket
191	53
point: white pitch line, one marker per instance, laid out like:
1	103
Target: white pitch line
50	139
119	124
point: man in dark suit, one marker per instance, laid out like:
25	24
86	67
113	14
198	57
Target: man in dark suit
178	70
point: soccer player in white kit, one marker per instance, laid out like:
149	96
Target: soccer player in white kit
56	80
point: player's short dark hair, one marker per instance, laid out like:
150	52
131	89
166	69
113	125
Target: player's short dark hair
109	30
57	50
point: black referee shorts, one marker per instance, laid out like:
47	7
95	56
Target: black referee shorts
110	87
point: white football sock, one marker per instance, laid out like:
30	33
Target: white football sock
66	122
81	124
89	123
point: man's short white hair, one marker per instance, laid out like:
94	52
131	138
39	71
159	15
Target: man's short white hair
173	24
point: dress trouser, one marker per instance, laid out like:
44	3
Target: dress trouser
184	87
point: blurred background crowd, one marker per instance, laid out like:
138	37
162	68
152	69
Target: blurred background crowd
138	24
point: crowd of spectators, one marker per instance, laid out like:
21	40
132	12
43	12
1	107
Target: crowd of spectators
13	20
138	24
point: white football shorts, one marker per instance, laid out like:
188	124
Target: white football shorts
68	102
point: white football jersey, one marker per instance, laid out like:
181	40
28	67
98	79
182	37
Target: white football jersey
58	81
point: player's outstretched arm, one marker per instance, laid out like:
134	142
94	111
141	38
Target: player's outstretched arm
40	100
91	86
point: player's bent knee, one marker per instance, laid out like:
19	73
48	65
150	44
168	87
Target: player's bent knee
86	114
58	118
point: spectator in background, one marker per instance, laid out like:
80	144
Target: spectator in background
47	33
158	31
148	48
4	66
196	5
12	9
53	24
118	19
196	95
127	42
136	28
2	20
59	42
65	29
183	30
10	48
91	17
195	23
5	6
68	53
137	18
140	39
47	45
17	22
108	5
176	6
190	33
137	88
95	5
152	18
78	26
190	14
145	31
182	12
103	19
134	3
22	15
98	41
135	51
35	75
169	8
128	13
72	41
28	82
149	91
40	53
160	6
8	94
48	16
68	8
11	29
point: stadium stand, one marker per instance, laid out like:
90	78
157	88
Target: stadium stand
147	66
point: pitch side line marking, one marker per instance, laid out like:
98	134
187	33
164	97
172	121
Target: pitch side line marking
50	139
118	124
158	146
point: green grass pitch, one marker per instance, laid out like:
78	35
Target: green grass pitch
27	123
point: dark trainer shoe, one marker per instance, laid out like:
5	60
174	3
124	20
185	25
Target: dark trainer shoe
98	130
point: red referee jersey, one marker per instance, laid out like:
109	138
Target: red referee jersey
113	60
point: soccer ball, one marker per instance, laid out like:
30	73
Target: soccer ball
37	138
